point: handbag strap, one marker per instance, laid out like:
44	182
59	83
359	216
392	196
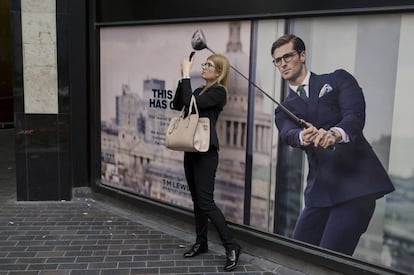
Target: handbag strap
193	103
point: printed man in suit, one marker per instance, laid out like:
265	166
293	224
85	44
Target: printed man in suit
345	176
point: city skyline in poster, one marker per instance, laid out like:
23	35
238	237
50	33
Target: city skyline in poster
139	72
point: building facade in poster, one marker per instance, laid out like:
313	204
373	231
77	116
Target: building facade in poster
135	159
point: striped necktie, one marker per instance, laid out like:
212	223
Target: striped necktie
302	93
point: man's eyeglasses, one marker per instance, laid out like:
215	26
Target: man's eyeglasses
287	58
207	65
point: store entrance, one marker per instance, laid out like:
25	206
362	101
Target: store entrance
7	132
6	68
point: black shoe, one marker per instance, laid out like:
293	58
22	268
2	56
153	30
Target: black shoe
196	249
232	258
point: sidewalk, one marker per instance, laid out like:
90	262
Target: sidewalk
88	237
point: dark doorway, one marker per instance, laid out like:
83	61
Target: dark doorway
6	81
7	132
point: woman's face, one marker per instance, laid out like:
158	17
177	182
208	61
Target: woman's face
209	72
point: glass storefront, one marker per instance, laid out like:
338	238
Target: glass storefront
139	70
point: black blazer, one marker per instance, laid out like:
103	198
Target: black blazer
210	103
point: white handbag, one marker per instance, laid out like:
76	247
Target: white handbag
190	133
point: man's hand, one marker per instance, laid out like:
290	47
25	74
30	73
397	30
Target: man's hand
319	137
326	138
309	133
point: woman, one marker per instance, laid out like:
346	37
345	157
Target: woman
200	168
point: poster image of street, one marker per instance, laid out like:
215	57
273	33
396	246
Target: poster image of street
139	72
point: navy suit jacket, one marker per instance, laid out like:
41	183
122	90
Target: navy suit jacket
350	171
210	103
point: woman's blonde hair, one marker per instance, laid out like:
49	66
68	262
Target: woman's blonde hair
223	67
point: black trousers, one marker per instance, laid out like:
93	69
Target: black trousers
200	171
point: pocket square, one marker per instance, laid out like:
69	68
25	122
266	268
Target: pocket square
325	90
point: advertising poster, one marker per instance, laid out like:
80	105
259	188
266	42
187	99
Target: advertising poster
139	72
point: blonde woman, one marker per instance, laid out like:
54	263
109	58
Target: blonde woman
200	168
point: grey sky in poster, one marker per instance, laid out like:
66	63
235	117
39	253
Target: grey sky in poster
129	55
